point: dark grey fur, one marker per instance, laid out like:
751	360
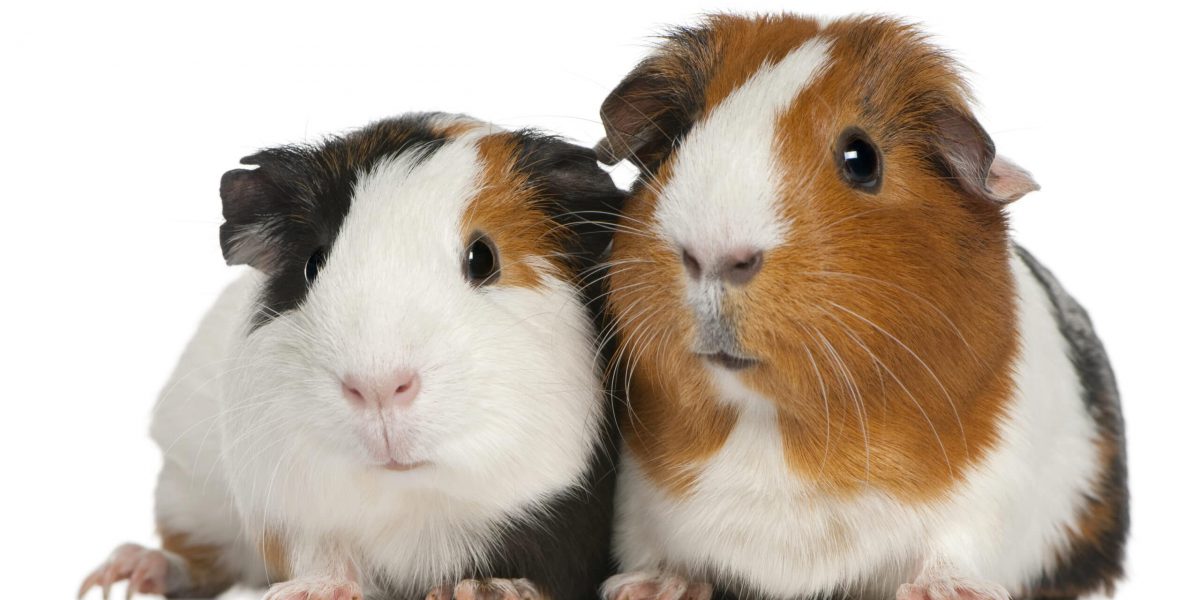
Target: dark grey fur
1090	566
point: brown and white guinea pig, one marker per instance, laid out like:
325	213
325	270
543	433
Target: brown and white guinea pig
401	398
845	378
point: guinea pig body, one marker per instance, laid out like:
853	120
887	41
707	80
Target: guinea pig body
402	398
844	378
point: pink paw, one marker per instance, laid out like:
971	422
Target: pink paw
315	588
951	588
486	589
146	570
647	585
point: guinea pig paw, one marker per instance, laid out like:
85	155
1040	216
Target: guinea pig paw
487	589
144	568
951	588
649	585
315	588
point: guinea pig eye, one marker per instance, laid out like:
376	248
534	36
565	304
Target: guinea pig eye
480	264
861	163
314	264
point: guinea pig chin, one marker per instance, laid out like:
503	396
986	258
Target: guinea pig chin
716	335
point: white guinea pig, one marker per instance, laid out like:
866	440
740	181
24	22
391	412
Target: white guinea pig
402	397
846	380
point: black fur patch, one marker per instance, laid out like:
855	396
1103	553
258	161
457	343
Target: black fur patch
1087	566
575	192
277	215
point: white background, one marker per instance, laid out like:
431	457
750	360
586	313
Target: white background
116	123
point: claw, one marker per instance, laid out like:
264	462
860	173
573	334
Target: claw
87	585
109	578
654	586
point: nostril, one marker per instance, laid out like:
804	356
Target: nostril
690	264
741	266
351	392
406	390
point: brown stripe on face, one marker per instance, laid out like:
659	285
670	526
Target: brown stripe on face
885	322
745	45
506	210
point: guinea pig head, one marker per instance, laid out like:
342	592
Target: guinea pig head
818	228
419	310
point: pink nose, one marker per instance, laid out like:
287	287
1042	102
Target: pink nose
397	390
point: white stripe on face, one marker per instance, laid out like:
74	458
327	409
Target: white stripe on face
725	183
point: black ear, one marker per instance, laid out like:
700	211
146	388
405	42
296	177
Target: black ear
967	154
657	103
583	196
252	201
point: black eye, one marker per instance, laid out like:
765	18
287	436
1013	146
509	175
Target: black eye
314	264
862	165
480	264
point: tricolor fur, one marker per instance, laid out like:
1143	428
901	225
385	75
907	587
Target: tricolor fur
265	474
916	411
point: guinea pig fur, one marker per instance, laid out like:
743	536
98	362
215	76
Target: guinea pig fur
845	379
402	397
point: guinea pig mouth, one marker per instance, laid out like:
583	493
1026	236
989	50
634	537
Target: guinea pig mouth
729	361
400	467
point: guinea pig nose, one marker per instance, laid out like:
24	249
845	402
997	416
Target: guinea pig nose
396	390
741	265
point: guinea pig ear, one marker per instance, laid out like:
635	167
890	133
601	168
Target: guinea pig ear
969	155
655	104
583	195
250	200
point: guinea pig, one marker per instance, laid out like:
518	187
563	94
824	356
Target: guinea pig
401	397
845	379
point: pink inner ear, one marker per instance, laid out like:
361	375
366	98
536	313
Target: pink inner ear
1006	181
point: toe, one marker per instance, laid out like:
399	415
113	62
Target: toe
501	589
698	591
909	591
671	588
526	590
441	592
467	589
90	582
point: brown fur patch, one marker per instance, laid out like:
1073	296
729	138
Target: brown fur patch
505	209
207	577
275	557
886	323
747	45
453	126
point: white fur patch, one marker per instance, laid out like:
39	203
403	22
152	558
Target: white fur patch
724	188
507	415
751	520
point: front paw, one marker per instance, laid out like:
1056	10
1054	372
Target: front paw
486	589
951	588
652	585
145	568
315	588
